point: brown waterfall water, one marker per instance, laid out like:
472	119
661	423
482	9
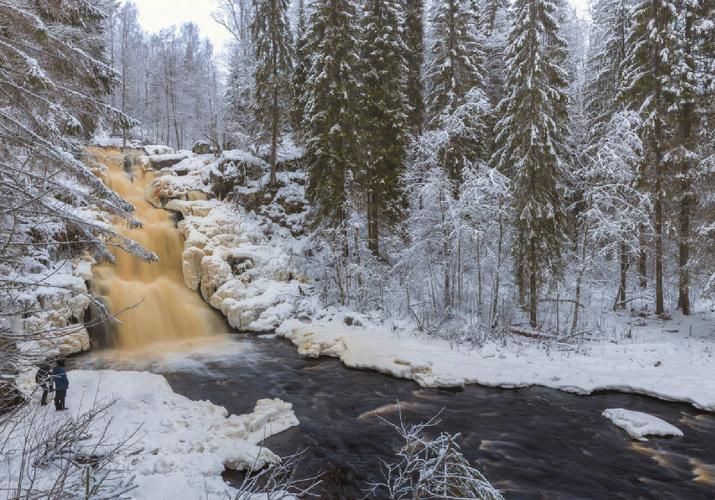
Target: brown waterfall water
156	304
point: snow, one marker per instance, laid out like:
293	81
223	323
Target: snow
647	366
638	425
181	446
244	264
57	297
157	149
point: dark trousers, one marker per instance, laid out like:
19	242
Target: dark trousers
45	390
60	399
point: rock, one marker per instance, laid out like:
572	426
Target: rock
158	162
214	273
191	265
201	147
157	149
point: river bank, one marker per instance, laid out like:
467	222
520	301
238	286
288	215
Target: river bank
530	442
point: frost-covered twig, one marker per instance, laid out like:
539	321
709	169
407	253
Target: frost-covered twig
431	468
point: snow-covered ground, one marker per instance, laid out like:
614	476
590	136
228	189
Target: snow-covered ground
178	448
242	263
638	425
663	364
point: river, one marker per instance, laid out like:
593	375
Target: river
533	443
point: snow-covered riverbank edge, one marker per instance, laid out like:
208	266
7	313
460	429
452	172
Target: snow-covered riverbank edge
683	371
175	447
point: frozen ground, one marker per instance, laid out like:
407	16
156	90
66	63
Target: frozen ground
178	448
638	425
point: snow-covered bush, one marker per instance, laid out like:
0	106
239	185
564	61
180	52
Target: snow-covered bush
432	468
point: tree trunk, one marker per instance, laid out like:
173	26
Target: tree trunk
579	280
621	298
658	206
687	120
642	258
495	298
520	278
373	238
533	292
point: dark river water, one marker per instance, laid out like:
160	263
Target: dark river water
531	443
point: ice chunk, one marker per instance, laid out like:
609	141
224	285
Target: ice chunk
638	425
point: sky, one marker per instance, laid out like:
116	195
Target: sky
157	14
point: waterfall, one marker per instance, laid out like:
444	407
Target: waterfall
152	301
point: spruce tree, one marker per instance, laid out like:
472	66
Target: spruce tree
530	141
604	81
454	70
301	65
384	119
647	65
414	54
495	25
273	50
331	107
687	104
607	52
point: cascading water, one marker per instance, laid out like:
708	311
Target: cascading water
156	304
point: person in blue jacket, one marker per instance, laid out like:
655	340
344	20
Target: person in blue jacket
59	377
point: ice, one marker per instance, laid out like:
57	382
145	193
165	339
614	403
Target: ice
638	425
57	297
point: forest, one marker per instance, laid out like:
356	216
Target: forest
465	160
500	193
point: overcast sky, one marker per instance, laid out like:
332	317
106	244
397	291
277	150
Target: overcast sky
157	14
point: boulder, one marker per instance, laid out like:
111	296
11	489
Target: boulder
191	265
201	147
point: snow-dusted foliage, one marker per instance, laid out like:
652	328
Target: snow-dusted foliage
615	210
52	82
457	240
432	468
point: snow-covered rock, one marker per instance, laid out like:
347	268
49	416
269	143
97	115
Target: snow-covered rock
238	270
638	425
157	149
55	301
181	446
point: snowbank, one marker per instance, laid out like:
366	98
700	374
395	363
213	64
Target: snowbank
181	447
54	301
638	424
675	371
236	268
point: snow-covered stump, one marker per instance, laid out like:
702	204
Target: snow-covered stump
638	425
